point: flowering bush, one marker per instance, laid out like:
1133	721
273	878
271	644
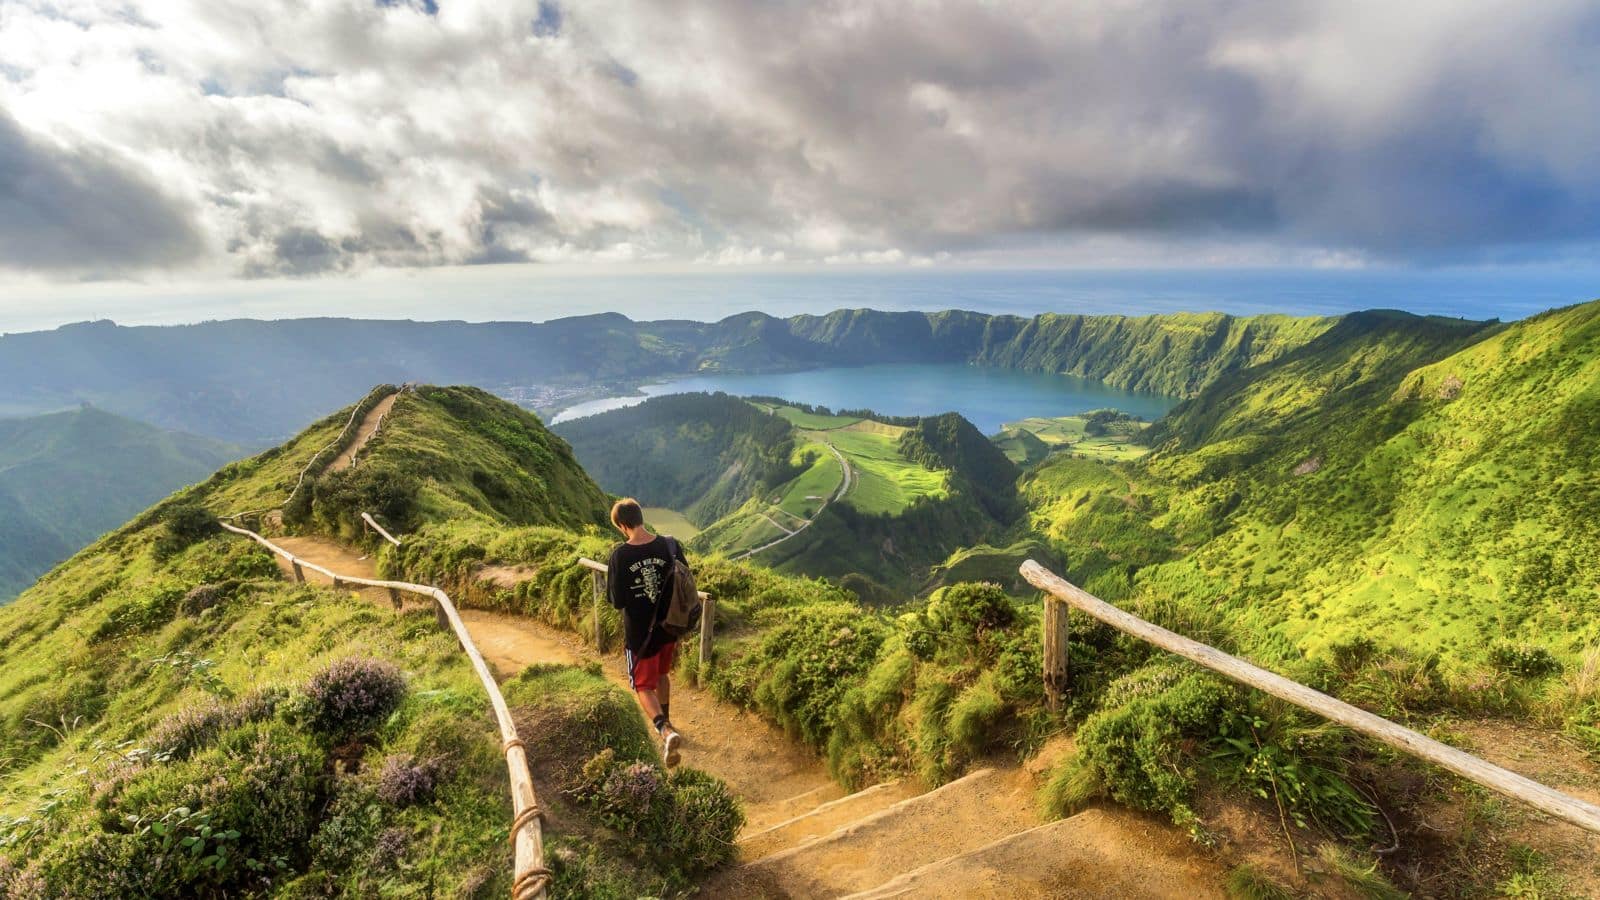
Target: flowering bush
687	818
181	734
403	781
352	697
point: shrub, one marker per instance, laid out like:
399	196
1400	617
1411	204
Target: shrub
1524	660
193	728
403	781
685	820
348	832
182	525
352	697
1136	741
249	803
390	847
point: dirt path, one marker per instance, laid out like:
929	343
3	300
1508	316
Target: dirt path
1555	760
844	485
979	836
364	433
756	760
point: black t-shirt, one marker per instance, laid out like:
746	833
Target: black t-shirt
639	582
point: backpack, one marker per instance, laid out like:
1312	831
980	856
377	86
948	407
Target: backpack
683	612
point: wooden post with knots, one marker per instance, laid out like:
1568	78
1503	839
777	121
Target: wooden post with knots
1057	678
708	611
598	581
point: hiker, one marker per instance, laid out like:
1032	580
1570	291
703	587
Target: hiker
639	581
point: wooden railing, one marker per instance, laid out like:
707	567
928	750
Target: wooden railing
362	407
382	532
1545	799
708	608
530	877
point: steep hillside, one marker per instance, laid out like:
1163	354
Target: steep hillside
67	477
179	719
704	454
1420	485
258	382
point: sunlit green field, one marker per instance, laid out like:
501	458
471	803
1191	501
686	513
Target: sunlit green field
884	481
820	480
669	521
1067	433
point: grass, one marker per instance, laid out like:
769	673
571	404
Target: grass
669	521
885	482
821	479
1067	433
811	421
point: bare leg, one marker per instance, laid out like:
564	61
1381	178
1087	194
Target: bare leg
664	692
651	702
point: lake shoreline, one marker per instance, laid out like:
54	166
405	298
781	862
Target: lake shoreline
989	396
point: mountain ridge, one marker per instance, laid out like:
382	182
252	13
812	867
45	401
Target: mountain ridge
257	381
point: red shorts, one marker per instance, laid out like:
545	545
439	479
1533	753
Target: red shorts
647	672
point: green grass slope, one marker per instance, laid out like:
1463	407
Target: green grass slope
177	719
704	454
66	478
459	452
1424	485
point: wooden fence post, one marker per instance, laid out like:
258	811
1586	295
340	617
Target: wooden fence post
1057	678
599	588
708	611
394	598
299	573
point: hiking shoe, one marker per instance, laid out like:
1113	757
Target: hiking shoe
669	746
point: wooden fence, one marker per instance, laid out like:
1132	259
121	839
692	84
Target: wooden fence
530	877
1578	812
708	609
336	446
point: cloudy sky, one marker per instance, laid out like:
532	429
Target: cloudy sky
216	141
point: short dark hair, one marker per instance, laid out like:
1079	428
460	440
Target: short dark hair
626	513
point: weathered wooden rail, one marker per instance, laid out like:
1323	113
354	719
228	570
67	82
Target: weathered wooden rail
1059	591
382	532
708	608
362	407
530	877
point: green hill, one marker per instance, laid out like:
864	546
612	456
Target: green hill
67	477
1422	484
178	719
704	454
259	382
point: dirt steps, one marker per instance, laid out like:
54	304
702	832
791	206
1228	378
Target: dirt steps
1093	854
963	815
823	818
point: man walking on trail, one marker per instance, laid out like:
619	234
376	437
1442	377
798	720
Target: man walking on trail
639	581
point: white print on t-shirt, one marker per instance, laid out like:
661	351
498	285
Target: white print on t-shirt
649	581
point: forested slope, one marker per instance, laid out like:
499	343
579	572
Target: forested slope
702	454
67	477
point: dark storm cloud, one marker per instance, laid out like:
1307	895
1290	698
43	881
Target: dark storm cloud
412	133
70	209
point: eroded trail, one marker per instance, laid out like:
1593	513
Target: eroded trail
978	836
364	433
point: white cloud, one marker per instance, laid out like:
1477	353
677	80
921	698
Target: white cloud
337	135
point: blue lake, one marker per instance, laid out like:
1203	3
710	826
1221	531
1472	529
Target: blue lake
988	397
